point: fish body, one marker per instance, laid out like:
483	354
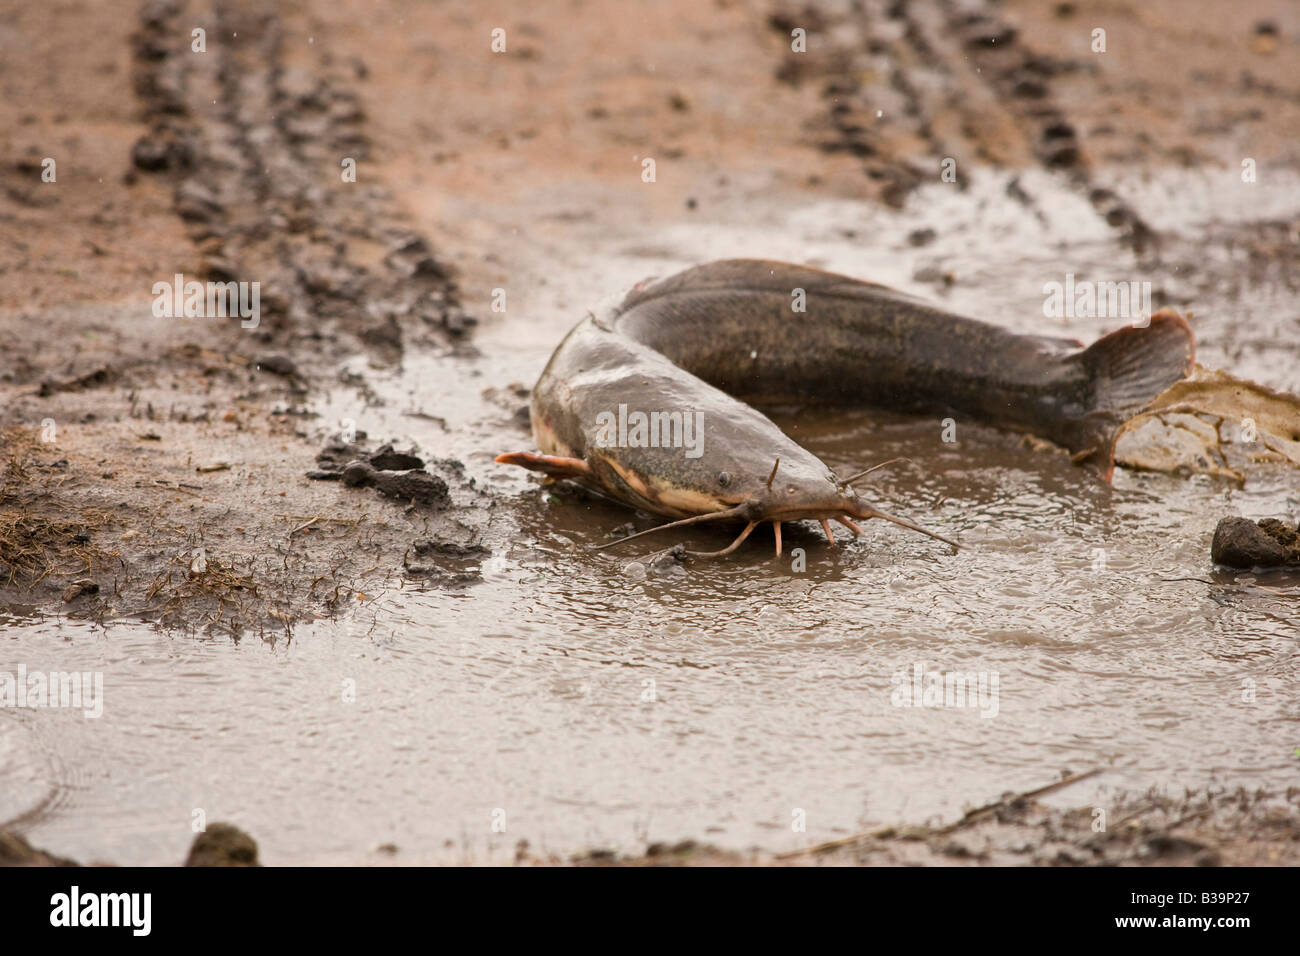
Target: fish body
596	369
857	343
710	345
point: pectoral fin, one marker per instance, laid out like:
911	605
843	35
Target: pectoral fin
551	465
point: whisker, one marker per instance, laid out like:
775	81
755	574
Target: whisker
868	512
729	548
830	534
694	519
848	481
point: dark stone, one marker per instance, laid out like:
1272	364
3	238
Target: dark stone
151	155
223	844
278	365
1241	543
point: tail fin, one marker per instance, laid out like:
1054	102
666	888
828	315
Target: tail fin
1128	368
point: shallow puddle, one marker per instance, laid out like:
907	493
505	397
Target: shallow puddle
588	699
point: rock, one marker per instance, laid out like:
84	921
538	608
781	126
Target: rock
150	155
223	844
1241	543
278	365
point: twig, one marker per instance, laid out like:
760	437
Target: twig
970	817
304	527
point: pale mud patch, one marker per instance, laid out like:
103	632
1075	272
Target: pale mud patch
1213	423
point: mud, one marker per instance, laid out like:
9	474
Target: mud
1154	829
229	165
1217	828
220	844
481	613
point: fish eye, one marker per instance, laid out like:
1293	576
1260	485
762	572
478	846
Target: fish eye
724	478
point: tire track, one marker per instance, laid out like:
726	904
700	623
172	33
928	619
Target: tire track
255	133
911	84
1022	78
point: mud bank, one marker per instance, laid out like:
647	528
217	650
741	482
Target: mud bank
220	844
155	466
1155	830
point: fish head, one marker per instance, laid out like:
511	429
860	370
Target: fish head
794	492
814	492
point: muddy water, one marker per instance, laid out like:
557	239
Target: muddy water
589	700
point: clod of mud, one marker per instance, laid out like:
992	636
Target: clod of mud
452	549
447	563
158	153
419	487
1242	543
1214	423
386	459
96	379
337	456
223	844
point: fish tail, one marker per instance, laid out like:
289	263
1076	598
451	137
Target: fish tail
1128	368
